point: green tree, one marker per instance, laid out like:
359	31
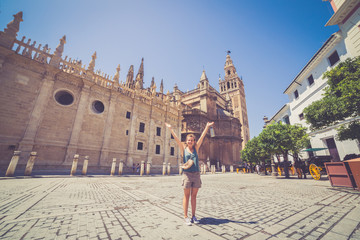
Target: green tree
282	139
341	101
254	153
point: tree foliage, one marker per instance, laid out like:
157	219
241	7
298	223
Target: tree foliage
276	139
341	101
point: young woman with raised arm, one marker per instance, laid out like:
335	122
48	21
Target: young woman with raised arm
191	174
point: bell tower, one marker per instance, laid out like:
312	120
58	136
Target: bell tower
232	87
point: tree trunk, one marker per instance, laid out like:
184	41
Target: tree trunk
264	165
286	165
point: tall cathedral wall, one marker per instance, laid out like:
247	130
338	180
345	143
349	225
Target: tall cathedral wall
29	108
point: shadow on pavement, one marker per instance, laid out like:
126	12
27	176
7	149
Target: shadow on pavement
346	190
218	221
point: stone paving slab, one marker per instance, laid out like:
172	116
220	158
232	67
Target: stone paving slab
229	206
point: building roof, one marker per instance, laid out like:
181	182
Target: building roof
330	42
346	9
284	108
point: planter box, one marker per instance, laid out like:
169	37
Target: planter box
354	167
338	174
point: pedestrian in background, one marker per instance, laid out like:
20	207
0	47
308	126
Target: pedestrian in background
191	173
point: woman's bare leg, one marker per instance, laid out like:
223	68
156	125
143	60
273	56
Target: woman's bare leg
194	192
186	201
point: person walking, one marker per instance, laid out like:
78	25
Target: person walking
191	173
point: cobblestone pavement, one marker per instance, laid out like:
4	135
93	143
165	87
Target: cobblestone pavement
230	206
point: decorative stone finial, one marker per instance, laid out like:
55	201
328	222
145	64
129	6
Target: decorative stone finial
130	77
153	90
117	74
60	48
152	82
7	38
140	75
91	66
161	86
14	26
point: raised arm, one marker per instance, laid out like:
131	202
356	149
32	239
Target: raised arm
199	142
181	145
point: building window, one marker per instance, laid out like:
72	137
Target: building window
142	127
98	107
296	94
287	120
140	146
172	151
311	80
128	115
158	131
157	151
334	58
301	116
64	97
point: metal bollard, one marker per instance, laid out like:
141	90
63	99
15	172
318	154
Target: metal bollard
164	169
85	166
121	167
74	165
13	163
148	166
30	164
168	169
142	168
113	167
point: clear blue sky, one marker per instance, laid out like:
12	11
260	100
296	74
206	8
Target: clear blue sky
270	41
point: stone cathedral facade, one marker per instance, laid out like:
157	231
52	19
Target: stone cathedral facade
59	107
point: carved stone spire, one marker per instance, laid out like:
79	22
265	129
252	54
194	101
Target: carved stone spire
117	74
161	86
140	75
8	37
152	82
14	26
130	77
91	66
153	89
60	48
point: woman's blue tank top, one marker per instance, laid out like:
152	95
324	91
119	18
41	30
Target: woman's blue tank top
193	156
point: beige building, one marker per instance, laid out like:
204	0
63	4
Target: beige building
58	107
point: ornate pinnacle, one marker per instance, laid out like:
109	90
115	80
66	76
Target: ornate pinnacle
161	86
14	25
117	74
92	62
60	48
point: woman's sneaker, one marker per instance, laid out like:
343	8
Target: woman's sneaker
194	220
188	221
